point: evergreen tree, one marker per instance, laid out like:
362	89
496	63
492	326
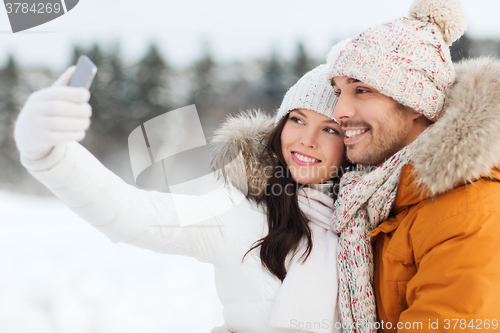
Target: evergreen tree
203	92
153	86
301	64
461	48
273	86
10	76
77	52
120	90
237	90
10	81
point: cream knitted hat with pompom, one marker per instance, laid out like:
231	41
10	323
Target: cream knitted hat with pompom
311	92
407	59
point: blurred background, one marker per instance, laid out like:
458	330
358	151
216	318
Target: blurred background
60	275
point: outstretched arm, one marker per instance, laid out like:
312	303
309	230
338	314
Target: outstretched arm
148	219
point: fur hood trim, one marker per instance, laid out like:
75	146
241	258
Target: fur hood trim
464	144
243	134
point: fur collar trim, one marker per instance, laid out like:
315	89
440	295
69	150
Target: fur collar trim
244	133
464	144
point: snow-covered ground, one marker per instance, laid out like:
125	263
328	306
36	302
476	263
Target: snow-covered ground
59	275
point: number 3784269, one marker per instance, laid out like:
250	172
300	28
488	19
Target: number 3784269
478	324
36	8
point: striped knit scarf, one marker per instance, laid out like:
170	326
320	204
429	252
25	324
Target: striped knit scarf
365	200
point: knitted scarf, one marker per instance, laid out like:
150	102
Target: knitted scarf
364	201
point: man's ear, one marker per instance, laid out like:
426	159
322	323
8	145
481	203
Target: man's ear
417	117
414	114
420	119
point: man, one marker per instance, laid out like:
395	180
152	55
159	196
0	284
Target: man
430	204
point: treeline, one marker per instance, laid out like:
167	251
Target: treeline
126	95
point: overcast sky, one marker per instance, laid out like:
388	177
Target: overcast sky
234	29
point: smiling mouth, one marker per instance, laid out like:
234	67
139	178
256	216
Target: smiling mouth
354	133
305	159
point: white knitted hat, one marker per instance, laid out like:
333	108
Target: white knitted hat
334	54
311	92
408	59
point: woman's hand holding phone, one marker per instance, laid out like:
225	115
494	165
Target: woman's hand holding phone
52	116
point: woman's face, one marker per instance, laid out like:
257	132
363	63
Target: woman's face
312	145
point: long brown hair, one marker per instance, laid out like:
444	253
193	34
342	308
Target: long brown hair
286	222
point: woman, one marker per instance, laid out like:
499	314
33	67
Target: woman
273	252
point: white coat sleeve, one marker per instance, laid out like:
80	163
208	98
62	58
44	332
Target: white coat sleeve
124	213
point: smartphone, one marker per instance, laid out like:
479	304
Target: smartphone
84	73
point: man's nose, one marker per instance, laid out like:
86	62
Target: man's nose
344	109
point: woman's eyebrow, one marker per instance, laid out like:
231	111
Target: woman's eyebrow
325	121
300	113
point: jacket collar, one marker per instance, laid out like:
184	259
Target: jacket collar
410	193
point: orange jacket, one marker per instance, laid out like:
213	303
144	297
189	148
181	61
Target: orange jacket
437	262
437	257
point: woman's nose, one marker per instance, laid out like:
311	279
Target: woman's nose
309	140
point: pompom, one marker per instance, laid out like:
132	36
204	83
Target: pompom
448	15
335	50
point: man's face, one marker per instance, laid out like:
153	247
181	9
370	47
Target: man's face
375	127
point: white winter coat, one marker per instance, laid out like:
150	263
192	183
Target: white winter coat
146	219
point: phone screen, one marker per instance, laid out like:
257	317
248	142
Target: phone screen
84	73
